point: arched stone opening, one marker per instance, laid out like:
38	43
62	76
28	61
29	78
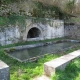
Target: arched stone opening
34	33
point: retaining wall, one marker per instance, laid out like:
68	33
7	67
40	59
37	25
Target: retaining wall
72	31
35	30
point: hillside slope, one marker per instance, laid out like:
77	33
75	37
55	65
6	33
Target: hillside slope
20	6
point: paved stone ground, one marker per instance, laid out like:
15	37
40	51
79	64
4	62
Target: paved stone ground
43	77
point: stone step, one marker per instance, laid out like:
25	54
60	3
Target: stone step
59	63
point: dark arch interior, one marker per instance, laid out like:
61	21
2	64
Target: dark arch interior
33	33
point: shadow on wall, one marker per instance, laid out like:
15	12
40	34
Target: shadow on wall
33	33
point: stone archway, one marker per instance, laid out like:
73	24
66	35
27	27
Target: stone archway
34	33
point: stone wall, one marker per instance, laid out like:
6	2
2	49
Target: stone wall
33	31
50	29
9	35
72	31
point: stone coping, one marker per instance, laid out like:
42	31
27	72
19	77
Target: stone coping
59	63
38	45
3	65
4	71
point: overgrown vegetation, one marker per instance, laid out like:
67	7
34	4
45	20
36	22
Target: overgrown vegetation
49	11
8	1
3	21
12	19
42	11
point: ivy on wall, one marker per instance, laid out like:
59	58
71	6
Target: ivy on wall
3	21
13	20
8	1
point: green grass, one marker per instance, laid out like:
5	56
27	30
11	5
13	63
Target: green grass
29	70
25	71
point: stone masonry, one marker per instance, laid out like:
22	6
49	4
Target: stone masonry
4	71
59	63
72	31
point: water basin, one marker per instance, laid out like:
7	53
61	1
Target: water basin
26	54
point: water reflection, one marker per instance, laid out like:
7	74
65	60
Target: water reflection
38	51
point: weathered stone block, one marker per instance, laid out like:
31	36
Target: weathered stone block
4	71
59	63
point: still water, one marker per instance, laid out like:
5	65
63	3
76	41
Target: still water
38	51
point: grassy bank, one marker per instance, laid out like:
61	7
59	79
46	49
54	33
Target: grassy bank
27	71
